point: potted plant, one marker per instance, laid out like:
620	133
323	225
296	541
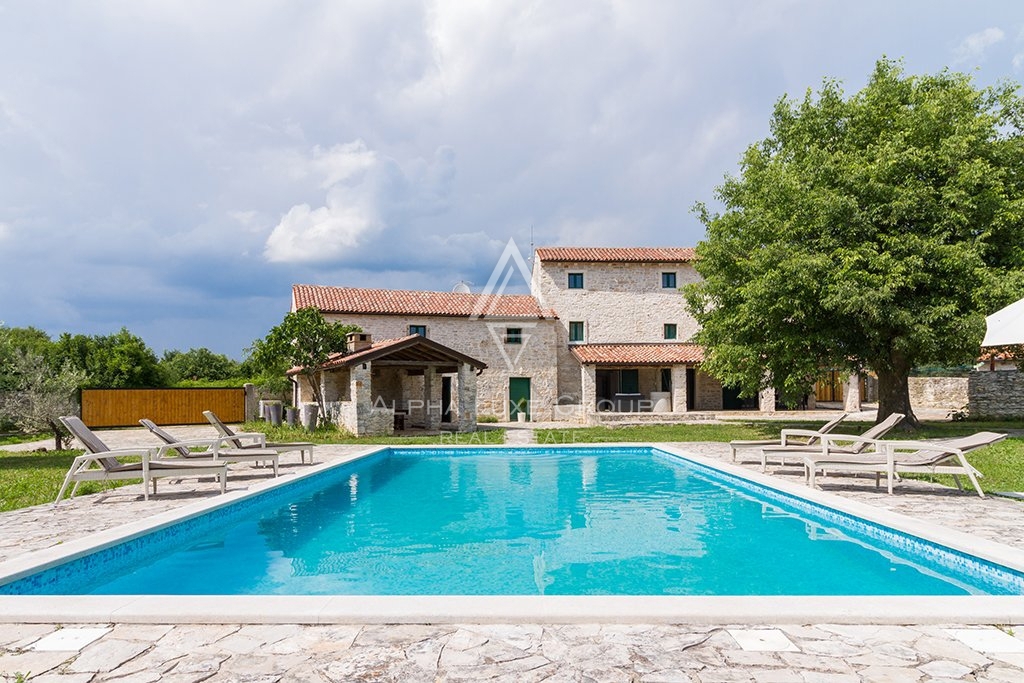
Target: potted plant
521	407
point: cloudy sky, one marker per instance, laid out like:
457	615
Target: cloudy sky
174	166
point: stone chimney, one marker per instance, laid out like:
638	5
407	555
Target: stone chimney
357	341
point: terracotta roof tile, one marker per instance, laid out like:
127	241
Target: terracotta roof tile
386	346
617	254
638	354
411	302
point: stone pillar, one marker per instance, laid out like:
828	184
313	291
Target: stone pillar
766	400
679	389
466	400
251	401
432	398
588	393
359	393
851	394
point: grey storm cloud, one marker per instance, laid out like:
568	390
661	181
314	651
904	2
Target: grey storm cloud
174	166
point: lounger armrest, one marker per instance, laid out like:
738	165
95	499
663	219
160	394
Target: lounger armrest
807	433
754	442
214	444
829	439
117	452
258	437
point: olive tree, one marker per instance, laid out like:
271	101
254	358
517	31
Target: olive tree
870	232
38	395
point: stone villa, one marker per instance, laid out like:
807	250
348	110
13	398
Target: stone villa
603	332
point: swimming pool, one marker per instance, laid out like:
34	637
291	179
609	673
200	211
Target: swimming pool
529	521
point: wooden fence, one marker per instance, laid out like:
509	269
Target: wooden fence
125	407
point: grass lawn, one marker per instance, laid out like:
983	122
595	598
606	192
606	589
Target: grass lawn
28	478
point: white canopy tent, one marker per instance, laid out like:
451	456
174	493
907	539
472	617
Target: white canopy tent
1005	326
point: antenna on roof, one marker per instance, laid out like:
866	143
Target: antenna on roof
461	287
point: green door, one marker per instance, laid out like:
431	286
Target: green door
518	397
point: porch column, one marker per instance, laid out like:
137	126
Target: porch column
588	389
432	397
851	394
467	398
679	389
359	393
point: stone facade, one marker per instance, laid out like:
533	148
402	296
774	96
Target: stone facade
484	339
619	303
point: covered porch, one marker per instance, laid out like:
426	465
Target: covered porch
639	378
377	388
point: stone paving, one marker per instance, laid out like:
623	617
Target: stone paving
780	653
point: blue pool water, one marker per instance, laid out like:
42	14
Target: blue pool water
573	521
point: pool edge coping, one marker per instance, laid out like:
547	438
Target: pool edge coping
499	609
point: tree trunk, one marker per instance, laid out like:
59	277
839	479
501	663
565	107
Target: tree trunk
58	436
894	395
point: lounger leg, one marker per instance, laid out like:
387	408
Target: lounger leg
223	481
956	480
275	466
974	480
63	488
74	489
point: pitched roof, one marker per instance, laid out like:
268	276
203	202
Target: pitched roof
617	254
638	354
412	302
412	347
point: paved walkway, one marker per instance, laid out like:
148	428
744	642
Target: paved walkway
780	653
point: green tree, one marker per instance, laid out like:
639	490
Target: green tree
116	361
304	339
197	364
25	339
865	233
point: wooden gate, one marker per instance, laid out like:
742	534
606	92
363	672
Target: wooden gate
125	407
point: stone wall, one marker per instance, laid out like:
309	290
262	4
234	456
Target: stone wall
996	394
938	392
708	394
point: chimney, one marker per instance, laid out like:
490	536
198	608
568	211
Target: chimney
357	341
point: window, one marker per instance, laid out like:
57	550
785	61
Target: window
666	379
576	331
668	280
418	329
513	335
575	280
670	330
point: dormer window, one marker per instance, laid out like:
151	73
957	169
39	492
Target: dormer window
418	329
575	280
668	280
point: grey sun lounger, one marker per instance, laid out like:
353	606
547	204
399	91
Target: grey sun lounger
258	439
214	451
891	458
830	443
101	463
786	437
